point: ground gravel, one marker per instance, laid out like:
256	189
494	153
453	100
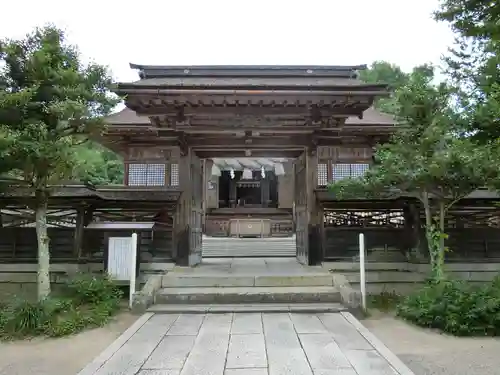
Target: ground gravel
62	356
428	352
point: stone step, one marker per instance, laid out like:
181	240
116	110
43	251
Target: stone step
248	247
191	281
247	308
237	295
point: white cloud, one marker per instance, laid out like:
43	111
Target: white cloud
330	32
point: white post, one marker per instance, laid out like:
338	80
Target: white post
133	269
362	276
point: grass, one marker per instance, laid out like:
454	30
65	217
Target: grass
385	301
85	301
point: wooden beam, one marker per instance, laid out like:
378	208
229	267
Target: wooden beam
247	142
258	153
276	94
333	108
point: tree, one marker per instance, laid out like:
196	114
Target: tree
427	158
98	165
394	77
50	102
474	63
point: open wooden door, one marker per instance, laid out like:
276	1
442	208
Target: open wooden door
301	209
196	210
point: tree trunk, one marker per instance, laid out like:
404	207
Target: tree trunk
440	255
43	277
429	232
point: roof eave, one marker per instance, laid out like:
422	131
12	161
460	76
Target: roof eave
248	67
364	89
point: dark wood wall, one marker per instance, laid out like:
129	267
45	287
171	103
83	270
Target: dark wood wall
394	235
20	244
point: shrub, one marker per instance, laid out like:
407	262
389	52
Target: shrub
22	318
92	289
455	307
87	301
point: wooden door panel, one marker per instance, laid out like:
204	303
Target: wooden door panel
301	212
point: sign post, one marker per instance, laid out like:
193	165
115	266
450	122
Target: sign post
133	275
362	275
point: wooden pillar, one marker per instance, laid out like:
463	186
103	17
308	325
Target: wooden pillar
188	231
183	209
314	209
232	192
417	241
264	191
78	235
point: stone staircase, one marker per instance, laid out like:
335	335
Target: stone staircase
191	290
216	247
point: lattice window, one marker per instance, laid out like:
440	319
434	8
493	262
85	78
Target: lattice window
156	175
364	218
146	174
322	174
174	174
137	174
342	171
359	170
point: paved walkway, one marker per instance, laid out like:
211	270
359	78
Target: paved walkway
250	266
247	344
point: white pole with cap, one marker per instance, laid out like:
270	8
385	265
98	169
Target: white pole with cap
133	268
362	275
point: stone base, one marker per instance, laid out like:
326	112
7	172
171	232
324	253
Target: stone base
233	295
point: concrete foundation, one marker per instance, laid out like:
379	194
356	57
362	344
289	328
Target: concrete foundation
404	277
19	279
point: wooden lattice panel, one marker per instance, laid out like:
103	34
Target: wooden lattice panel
467	218
364	219
322	174
155	175
174	174
146	174
341	171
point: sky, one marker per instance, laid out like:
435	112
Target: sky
258	32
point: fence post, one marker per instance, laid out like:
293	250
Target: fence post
362	275
133	275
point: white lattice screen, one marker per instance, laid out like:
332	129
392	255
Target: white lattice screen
146	174
342	171
174	174
322	174
359	170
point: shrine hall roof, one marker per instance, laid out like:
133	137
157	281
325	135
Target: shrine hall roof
249	77
158	71
370	117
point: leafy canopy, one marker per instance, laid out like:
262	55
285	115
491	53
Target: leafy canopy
394	77
50	102
427	156
474	63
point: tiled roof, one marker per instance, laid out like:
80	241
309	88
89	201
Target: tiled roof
248	76
128	117
243	82
370	117
155	71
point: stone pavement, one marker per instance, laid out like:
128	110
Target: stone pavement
249	266
247	344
